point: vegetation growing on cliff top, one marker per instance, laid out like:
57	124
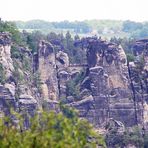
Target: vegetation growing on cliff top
73	85
11	28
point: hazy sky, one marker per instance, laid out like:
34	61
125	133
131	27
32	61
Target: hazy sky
57	10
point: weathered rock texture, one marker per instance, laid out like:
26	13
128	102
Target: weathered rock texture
16	91
139	78
47	70
62	62
5	55
7	90
108	87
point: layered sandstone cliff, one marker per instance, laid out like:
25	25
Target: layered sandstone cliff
109	84
107	87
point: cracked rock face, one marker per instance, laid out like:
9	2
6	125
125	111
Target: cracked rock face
62	63
47	70
111	89
139	76
5	54
7	90
7	100
109	82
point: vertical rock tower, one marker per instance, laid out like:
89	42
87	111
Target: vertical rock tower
110	84
47	70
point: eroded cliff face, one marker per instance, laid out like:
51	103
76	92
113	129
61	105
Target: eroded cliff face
7	89
5	55
47	70
110	84
17	91
139	78
106	87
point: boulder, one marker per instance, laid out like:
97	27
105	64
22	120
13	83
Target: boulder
62	60
11	88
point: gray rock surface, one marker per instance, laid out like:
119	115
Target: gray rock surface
110	88
47	70
62	60
109	83
5	54
139	79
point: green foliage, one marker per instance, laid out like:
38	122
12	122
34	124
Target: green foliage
106	28
73	85
37	81
34	24
68	112
11	28
26	63
130	57
49	130
126	43
140	63
136	29
15	53
101	25
18	76
72	90
146	140
66	43
78	27
134	136
2	74
129	26
33	39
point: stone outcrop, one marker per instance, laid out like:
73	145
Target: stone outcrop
62	63
110	89
27	103
16	91
7	90
7	100
109	84
139	78
5	54
62	60
47	70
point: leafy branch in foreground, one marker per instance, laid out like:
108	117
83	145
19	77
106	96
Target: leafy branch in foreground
49	130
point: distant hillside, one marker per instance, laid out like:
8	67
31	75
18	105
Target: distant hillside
106	28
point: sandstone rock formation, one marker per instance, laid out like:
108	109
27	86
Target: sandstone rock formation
139	78
62	62
5	55
7	90
110	84
15	79
47	70
108	87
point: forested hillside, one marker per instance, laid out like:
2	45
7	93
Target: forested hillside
107	28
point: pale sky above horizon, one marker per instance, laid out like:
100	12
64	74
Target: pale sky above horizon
58	10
